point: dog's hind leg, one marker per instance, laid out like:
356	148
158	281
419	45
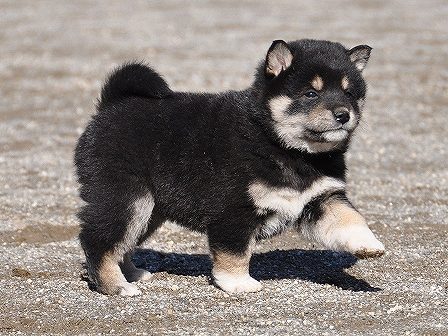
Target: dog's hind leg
109	232
130	271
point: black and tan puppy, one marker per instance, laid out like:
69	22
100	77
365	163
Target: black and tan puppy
238	166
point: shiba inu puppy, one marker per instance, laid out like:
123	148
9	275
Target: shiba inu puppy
239	166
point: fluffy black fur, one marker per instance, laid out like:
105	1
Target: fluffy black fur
197	153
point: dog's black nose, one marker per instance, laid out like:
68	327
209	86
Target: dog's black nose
341	114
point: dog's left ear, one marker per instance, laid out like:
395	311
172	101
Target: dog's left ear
278	59
359	55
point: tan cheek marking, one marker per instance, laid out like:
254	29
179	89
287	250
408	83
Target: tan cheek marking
344	83
317	83
278	106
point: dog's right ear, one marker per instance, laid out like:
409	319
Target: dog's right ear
359	56
278	58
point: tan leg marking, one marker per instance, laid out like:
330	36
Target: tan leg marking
231	272
317	83
111	280
231	263
343	228
344	214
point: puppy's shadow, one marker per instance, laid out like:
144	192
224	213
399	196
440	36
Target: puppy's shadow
318	266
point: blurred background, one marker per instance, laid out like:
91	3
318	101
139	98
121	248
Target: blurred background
54	56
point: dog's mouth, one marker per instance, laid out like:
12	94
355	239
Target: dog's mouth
331	135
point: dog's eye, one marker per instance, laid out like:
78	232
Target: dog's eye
311	94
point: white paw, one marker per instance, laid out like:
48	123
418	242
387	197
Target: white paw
129	289
231	283
360	241
138	274
144	275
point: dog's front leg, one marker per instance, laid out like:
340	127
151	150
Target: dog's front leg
340	227
231	247
231	272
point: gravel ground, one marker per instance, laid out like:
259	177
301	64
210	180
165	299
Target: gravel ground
53	57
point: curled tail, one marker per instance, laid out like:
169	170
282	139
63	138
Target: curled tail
134	79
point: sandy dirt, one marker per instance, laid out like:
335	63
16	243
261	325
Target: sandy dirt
53	57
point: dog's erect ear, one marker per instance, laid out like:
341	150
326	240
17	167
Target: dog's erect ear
359	55
278	59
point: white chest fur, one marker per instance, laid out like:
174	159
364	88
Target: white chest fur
287	203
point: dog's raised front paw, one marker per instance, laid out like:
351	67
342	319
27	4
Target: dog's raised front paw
361	242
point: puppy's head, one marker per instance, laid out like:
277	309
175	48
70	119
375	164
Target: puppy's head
314	92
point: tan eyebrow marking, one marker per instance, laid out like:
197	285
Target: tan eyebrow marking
317	83
345	83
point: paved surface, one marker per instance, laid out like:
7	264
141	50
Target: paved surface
53	57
